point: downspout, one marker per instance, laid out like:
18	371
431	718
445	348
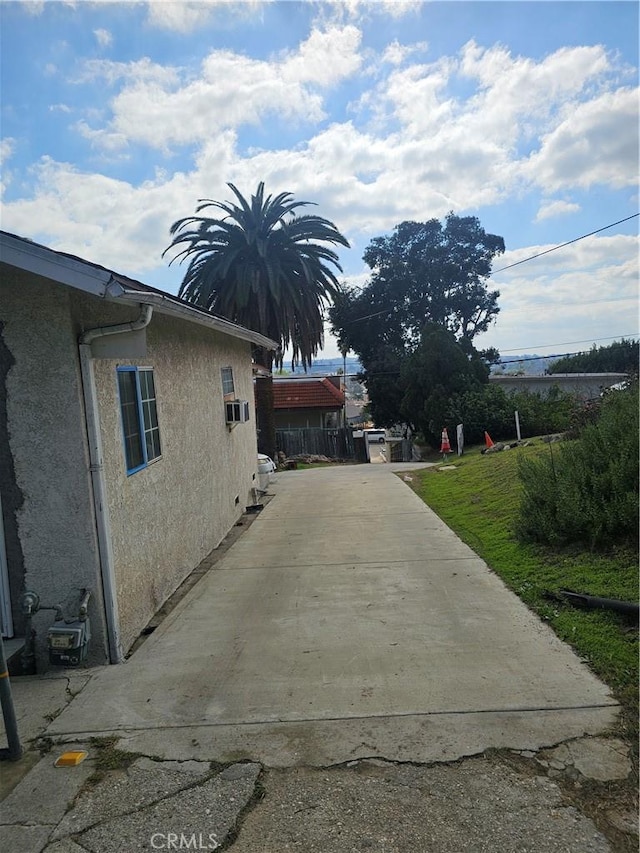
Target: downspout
96	468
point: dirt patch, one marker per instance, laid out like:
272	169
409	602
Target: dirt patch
611	805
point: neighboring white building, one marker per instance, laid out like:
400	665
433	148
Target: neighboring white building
118	469
587	386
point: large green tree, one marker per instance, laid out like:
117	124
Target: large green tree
262	264
422	274
437	371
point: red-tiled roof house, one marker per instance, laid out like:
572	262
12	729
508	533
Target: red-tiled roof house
308	403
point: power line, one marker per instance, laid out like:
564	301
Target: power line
570	343
562	245
540	357
510	266
500	362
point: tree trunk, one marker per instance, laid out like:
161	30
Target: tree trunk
265	414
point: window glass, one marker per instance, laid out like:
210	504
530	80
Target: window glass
149	414
134	454
227	381
139	414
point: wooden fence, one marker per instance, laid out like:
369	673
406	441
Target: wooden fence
333	443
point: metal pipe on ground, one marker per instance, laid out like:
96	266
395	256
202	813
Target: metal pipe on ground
593	602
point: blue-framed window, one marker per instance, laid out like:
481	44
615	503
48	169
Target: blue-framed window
228	386
139	413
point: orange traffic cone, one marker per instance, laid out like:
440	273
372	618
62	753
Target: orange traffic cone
445	447
487	440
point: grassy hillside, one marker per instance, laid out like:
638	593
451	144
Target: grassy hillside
479	500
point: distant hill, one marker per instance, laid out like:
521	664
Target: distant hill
524	365
527	365
329	367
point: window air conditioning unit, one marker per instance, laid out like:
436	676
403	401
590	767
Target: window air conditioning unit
237	411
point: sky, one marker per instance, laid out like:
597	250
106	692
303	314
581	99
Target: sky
117	117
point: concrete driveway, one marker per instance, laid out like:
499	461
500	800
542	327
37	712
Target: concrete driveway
347	622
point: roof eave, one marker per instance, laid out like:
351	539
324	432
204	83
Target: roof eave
101	282
165	304
47	263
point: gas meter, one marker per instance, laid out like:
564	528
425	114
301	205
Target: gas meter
68	642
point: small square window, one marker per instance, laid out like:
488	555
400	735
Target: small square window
227	381
139	413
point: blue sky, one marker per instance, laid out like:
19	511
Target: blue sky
117	117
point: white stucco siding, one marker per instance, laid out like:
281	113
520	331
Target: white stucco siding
48	448
168	516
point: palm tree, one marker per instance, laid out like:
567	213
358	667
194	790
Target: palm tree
265	267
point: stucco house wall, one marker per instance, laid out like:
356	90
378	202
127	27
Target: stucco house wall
163	518
46	494
168	516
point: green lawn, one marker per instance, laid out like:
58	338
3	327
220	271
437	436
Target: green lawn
479	501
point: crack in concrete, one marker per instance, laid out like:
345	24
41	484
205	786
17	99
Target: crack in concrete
300	720
134	810
576	792
215	770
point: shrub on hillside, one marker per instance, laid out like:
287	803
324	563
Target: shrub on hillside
492	409
584	415
586	490
540	415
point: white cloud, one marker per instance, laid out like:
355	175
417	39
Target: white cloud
104	220
457	153
468	150
518	97
596	144
33	7
325	58
182	17
583	292
101	139
418	97
161	107
390	8
588	289
185	16
357	10
425	150
7	147
400	8
103	37
396	53
141	71
549	209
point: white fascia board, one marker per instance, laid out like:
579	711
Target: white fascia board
166	305
52	265
25	255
